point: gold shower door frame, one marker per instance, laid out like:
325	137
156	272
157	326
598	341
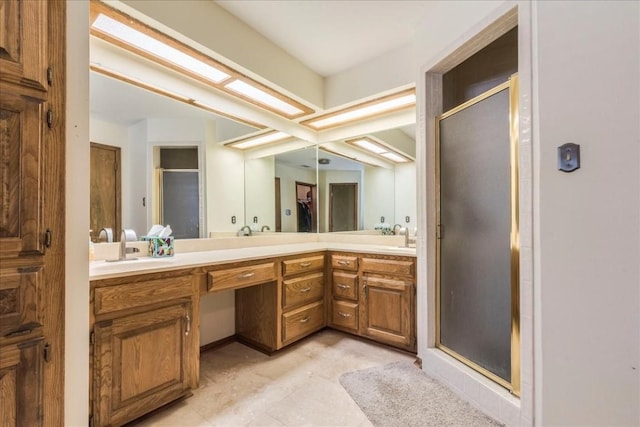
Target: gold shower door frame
512	86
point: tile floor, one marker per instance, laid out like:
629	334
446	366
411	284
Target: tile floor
297	386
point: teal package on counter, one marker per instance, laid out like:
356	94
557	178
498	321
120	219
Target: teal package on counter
160	246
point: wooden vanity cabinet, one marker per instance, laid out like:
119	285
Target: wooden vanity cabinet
302	294
144	344
373	296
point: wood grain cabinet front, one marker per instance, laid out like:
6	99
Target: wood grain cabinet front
345	315
21	383
376	300
141	362
239	277
145	340
303	321
302	290
302	265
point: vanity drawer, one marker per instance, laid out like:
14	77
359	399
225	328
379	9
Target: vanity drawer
303	321
345	315
345	285
108	299
344	262
300	265
400	267
302	290
240	277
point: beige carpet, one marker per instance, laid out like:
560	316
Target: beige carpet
400	394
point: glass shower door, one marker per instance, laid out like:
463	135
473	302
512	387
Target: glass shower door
477	273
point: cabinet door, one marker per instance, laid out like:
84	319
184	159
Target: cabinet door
387	311
21	379
141	362
23	42
21	136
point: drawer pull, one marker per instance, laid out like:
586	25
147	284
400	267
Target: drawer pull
346	315
305	320
305	264
246	275
305	290
343	262
341	286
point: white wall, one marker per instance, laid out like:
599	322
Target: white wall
406	195
76	352
260	195
225	187
587	223
378	196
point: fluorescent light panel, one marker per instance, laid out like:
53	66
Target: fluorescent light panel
365	111
368	144
259	140
153	44
157	48
263	97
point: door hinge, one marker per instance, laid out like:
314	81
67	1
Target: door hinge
50	119
440	231
47	352
50	76
91	420
92	337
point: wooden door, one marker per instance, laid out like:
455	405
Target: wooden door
141	362
386	310
106	199
343	206
32	169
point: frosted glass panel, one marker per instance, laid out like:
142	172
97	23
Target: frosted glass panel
180	203
475	270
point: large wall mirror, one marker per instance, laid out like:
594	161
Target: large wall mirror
172	160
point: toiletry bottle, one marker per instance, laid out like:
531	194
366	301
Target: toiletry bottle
92	253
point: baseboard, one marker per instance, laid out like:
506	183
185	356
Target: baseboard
219	343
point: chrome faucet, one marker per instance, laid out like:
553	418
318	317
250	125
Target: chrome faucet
265	227
124	250
245	231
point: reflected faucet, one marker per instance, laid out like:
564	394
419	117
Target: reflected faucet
245	231
396	229
265	227
124	250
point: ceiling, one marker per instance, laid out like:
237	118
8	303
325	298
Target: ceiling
333	36
328	36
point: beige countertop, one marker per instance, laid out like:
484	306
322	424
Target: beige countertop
143	265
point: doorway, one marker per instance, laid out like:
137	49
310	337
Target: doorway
477	253
343	206
180	191
105	190
306	196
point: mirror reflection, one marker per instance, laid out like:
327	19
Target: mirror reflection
170	159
